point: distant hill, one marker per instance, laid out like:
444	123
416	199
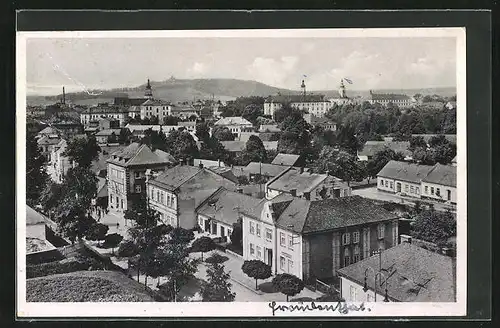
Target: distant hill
176	90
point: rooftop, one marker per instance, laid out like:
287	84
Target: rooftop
370	148
270	170
415	274
445	175
405	171
225	206
33	217
296	98
136	154
234	120
155	102
108	132
285	159
301	182
269	128
238	146
176	176
389	96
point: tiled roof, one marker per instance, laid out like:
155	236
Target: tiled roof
136	154
445	175
224	206
266	169
237	146
225	172
49	130
108	132
285	159
405	171
110	109
389	96
235	120
301	182
295	98
370	148
176	176
415	274
165	156
155	102
139	127
48	141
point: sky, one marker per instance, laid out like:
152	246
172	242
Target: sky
370	63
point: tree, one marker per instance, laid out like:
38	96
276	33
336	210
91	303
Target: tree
127	249
218	287
170	120
237	234
338	163
51	195
212	149
242	180
202	132
417	142
181	236
72	221
124	136
83	151
222	133
112	138
203	245
256	269
288	284
255	151
380	159
113	240
80	184
36	176
252	112
97	232
348	141
181	145
435	227
155	140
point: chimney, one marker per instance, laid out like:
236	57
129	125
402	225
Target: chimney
218	162
293	192
301	169
405	239
200	165
307	195
64	97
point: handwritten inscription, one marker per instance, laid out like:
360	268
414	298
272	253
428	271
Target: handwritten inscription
340	307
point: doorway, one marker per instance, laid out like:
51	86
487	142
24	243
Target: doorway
270	257
398	187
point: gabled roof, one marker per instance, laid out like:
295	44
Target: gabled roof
285	159
370	148
136	154
415	274
33	217
301	182
165	156
176	176
224	206
265	169
48	131
295	98
235	120
48	141
155	102
445	175
405	171
225	172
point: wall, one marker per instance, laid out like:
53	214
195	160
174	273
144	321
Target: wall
260	241
320	255
384	187
271	193
406	189
443	192
217	232
353	292
117	187
291	252
167	210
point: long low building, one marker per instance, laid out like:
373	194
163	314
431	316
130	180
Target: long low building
436	182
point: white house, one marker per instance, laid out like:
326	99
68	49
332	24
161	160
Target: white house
235	124
402	178
441	184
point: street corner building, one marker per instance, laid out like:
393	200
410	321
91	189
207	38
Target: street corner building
403	273
313	239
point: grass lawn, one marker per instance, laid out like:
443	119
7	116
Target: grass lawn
86	286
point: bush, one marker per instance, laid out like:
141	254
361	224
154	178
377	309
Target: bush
64	266
127	249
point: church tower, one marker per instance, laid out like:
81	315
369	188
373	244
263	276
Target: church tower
149	92
342	89
303	89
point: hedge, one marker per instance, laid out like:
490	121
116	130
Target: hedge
64	266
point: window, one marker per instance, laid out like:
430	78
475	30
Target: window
252	228
352	293
269	234
426	189
282	239
347	257
258	230
381	231
138	188
259	252
282	263
406	188
412	189
346	238
168	200
386	183
356	254
432	190
290	266
252	249
161	198
137	175
369	298
381	183
355	237
417	190
392	184
438	192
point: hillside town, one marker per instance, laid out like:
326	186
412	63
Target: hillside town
296	197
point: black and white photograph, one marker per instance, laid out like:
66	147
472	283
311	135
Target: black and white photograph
241	173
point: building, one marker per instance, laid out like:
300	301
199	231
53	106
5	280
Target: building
266	171
311	186
127	173
49	131
46	145
35	111
236	147
402	178
60	163
103	136
177	192
245	135
104	110
370	148
323	122
385	99
413	274
188	126
100	165
441	184
217	213
126	101
184	112
287	160
313	239
269	128
451	105
155	108
235	124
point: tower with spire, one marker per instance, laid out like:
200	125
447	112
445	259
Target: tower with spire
149	92
303	89
342	89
